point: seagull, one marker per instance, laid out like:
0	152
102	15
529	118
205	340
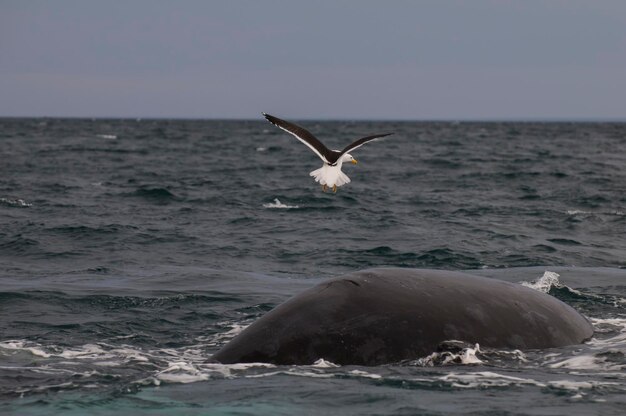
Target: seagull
330	174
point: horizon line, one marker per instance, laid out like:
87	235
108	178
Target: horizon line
343	119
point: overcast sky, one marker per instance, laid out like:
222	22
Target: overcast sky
355	59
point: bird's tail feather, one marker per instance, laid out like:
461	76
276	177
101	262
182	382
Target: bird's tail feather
330	177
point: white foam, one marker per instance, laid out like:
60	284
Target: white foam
21	346
545	282
609	325
581	362
130	354
270	374
221	338
303	373
578	385
581	212
296	371
180	365
246	366
187	371
15	202
182	372
469	355
101	354
107	136
189	364
365	374
615	322
90	351
67	385
107	363
598	350
466	357
322	363
278	204
486	379
550	280
578	212
515	355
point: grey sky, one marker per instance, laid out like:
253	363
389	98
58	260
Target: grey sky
314	59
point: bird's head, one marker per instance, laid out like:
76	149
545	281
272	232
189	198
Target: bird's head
348	158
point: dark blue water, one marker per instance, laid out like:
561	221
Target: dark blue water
131	250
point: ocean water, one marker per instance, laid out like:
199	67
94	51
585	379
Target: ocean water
131	250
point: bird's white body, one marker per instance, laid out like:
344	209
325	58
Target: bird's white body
332	175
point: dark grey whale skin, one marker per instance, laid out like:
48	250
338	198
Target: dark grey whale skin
381	316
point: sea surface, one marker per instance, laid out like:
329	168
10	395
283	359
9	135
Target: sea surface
131	250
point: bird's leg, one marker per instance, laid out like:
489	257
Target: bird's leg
335	188
323	188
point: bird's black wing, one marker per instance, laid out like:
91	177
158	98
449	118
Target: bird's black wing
362	141
304	136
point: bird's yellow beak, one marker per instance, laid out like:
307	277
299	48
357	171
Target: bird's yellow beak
354	161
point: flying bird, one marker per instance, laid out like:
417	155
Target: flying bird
330	174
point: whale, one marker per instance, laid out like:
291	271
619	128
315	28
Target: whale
390	315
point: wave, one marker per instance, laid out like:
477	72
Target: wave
20	245
451	352
578	212
445	258
605	353
545	282
87	231
101	364
154	194
279	205
104	355
550	283
15	202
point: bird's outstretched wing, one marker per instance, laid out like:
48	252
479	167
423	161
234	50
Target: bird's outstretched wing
304	136
362	141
